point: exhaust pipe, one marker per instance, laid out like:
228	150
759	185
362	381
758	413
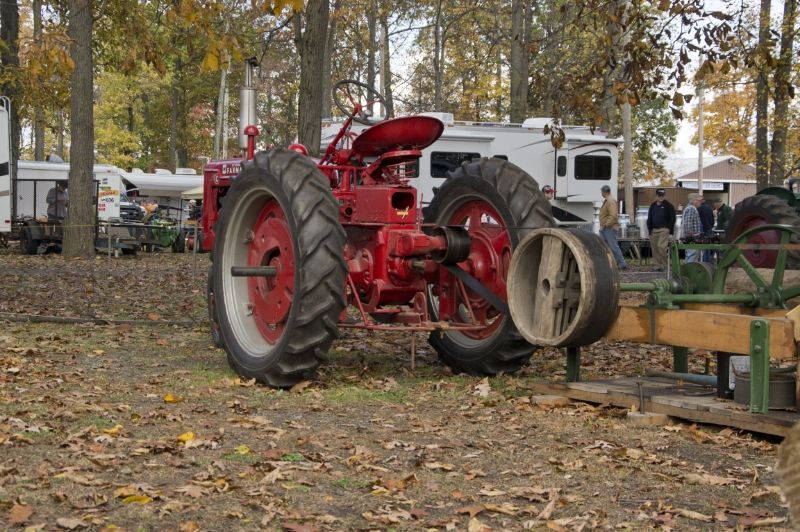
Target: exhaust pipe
247	102
563	287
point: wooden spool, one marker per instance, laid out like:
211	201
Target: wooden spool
563	287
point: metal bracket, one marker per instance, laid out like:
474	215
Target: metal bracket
759	366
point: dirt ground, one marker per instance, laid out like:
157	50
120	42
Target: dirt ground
144	427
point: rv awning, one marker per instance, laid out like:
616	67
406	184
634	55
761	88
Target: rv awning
195	193
162	184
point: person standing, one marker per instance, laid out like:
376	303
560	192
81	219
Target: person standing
724	214
57	202
660	224
691	226
707	221
609	224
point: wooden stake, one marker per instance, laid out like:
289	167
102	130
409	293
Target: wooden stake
413	351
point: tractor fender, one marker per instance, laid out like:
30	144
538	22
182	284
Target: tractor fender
782	193
35	229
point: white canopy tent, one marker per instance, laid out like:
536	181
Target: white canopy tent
162	184
195	193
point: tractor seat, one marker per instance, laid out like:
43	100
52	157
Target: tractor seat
408	132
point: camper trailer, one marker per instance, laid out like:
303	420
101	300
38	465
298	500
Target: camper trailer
577	170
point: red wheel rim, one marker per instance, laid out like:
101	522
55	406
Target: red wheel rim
271	297
488	262
759	258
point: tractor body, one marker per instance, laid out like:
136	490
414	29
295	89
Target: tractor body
304	246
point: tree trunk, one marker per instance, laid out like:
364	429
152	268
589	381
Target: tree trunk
38	114
616	31
9	55
372	16
437	58
782	97
311	47
173	125
79	230
330	44
219	131
386	67
519	61
762	97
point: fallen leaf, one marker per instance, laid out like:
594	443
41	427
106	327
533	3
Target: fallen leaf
192	490
505	508
186	437
242	449
483	388
708	479
299	527
153	316
476	526
300	386
137	499
472	510
439	465
19	513
70	523
169	398
113	431
690	514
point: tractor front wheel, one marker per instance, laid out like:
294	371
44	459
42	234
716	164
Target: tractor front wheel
280	214
498	204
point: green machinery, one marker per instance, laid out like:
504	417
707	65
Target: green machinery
575	301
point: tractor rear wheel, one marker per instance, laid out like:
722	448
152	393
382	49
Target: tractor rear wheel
498	203
763	209
279	213
213	318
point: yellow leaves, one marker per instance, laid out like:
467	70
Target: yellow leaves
242	449
137	499
186	437
211	60
169	398
113	431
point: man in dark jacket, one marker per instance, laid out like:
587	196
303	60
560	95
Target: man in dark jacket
660	224
707	219
724	214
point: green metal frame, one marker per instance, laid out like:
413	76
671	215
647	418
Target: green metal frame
671	293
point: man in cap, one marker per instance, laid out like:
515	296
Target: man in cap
724	214
609	224
549	192
691	226
660	224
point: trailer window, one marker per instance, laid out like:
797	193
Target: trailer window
443	162
593	167
561	166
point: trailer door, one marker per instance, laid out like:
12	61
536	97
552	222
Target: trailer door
589	168
6	184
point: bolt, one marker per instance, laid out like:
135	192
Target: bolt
250	308
757	324
757	348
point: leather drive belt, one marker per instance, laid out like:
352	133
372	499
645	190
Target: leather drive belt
476	286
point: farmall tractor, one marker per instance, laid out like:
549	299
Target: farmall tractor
303	247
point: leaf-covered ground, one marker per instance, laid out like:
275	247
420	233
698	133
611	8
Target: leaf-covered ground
146	428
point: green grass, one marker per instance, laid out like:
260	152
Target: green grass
248	458
347	483
355	394
293	457
101	423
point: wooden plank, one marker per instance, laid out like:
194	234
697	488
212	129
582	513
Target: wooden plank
736	309
703	330
545	313
699	409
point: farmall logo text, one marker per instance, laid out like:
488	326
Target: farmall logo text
231	168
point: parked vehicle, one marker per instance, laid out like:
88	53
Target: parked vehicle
577	170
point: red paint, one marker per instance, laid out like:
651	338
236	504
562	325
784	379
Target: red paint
388	254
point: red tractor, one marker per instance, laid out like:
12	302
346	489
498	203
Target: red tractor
303	247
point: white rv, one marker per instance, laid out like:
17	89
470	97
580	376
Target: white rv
577	170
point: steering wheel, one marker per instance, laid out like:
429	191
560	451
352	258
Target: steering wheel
358	100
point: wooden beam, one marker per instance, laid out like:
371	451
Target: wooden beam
715	331
736	309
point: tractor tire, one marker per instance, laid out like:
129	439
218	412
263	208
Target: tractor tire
27	244
764	209
213	317
497	189
279	212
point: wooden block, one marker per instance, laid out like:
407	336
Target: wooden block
715	331
648	419
550	400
